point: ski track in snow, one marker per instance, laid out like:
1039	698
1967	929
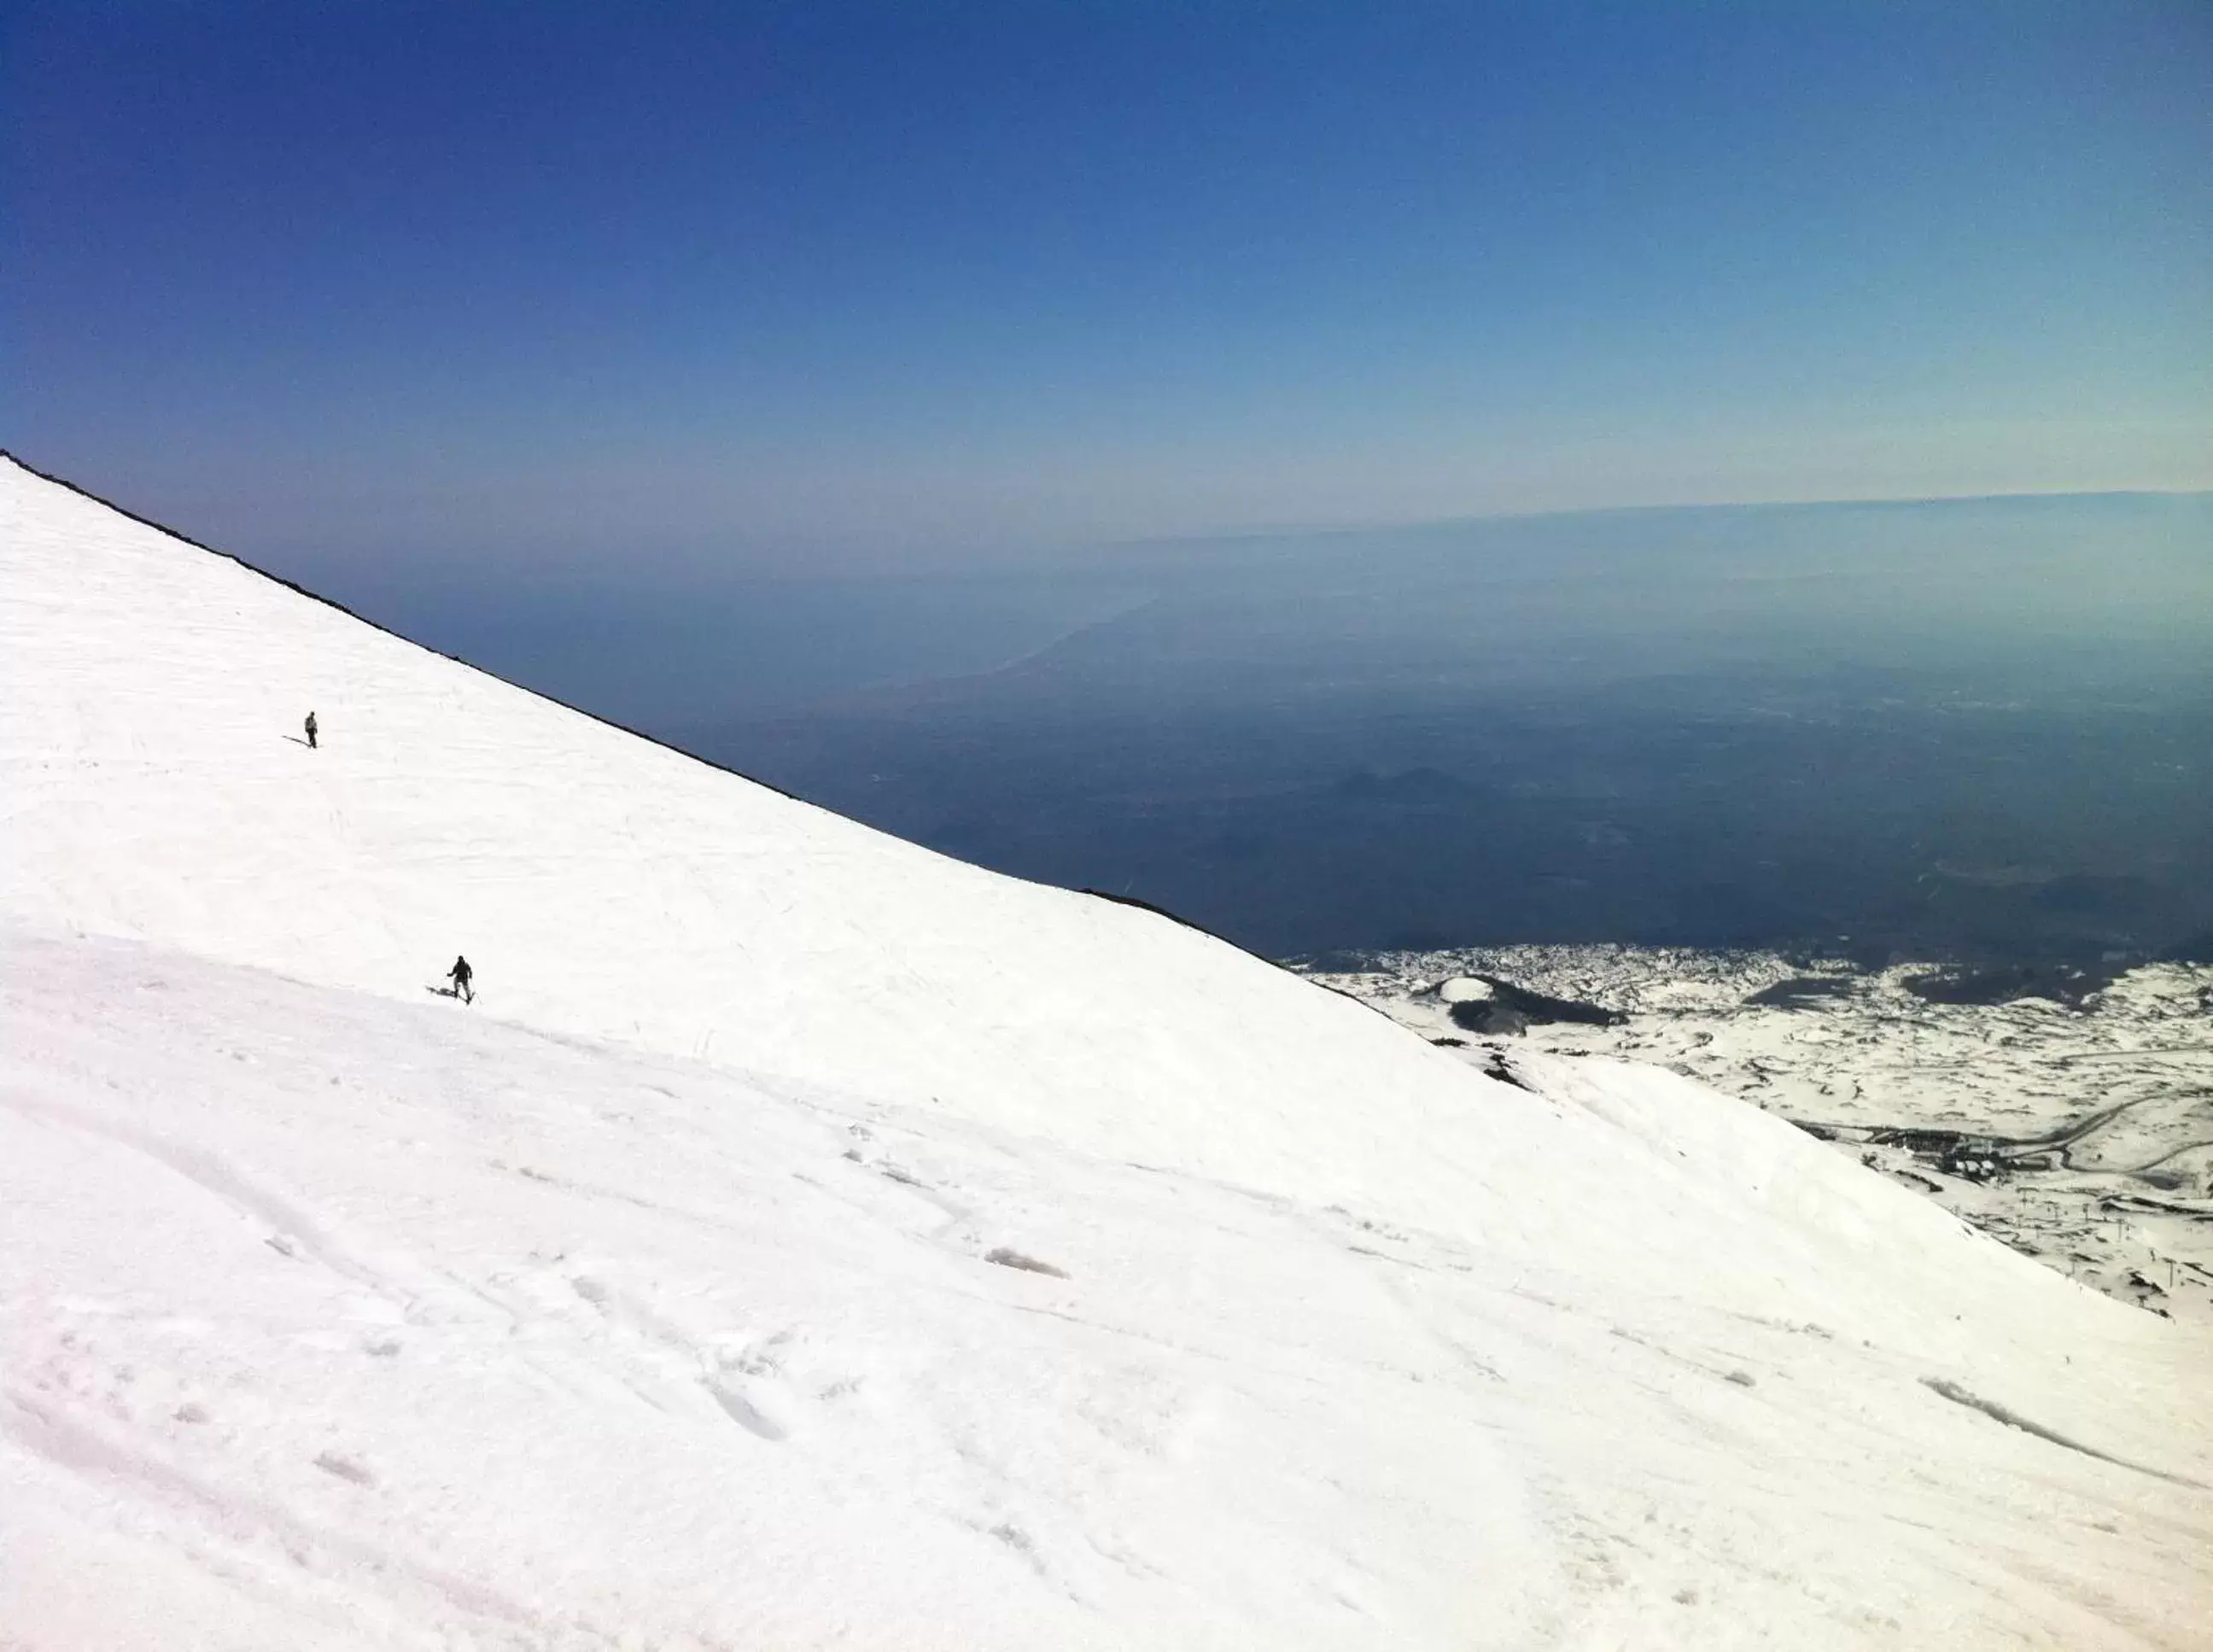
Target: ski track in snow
650	1302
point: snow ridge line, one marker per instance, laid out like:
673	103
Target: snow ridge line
1989	1408
298	590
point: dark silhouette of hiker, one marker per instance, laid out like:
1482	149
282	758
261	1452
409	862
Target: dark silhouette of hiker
462	975
311	731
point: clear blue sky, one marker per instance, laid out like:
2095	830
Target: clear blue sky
559	287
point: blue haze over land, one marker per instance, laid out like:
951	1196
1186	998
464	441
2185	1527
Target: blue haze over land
1976	730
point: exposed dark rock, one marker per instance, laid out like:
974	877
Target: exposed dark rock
1490	1018
1801	991
1535	1009
2064	983
1496	1068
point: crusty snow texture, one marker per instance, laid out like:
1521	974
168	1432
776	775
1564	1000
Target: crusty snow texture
677	1295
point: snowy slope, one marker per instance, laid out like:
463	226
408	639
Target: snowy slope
648	1303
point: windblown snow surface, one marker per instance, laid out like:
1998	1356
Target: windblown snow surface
806	1241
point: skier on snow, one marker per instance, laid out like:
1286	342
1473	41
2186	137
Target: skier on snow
462	974
311	731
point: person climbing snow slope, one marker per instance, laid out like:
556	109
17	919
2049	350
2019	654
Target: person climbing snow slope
462	975
311	731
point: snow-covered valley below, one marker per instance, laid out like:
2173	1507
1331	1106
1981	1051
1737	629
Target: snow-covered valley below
806	1239
2076	1125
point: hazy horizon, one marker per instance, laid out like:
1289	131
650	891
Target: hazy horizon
677	655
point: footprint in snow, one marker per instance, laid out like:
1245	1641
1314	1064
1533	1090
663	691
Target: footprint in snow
740	1409
1007	1257
345	1469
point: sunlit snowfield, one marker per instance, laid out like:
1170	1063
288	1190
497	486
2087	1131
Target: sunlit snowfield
809	1240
